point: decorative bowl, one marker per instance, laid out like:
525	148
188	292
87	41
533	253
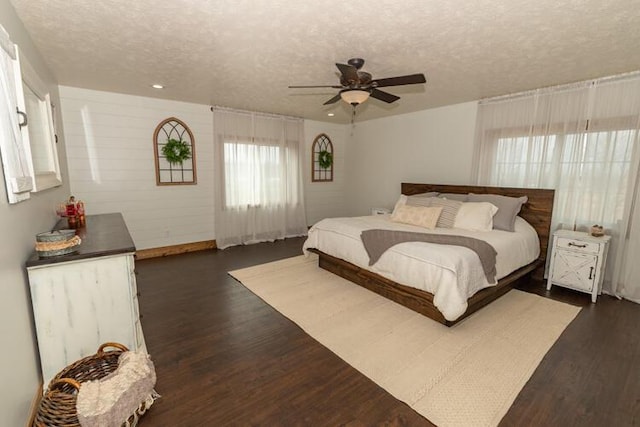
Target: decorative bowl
55	236
52	243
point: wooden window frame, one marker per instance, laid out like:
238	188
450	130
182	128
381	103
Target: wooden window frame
320	143
157	154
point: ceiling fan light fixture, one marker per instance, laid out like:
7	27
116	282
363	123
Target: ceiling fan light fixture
354	96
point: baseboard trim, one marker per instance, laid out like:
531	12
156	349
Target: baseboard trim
33	409
175	249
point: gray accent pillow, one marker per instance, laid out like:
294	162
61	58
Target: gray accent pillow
508	209
427	194
454	196
423	199
449	211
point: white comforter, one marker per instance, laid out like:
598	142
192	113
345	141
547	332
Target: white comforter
451	273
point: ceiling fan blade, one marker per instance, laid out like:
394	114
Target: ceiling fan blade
349	73
399	81
333	100
314	86
383	96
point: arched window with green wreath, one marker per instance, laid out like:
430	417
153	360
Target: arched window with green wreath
322	159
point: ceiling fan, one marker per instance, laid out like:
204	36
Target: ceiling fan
357	86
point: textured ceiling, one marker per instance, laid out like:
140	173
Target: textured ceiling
244	53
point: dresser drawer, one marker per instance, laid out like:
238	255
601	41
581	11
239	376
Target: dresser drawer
577	245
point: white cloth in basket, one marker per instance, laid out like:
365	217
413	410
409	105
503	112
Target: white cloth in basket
127	391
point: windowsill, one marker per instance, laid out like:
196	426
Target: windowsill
44	181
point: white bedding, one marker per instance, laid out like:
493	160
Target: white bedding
451	273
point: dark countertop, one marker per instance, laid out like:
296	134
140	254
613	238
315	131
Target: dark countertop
104	234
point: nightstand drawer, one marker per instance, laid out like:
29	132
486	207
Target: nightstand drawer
577	245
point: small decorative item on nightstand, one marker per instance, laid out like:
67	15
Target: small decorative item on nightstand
380	211
597	230
577	261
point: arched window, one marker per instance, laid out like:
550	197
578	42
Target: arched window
322	159
179	165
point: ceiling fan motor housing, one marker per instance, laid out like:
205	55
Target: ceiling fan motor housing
356	62
361	79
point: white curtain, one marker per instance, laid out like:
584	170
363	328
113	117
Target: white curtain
582	141
258	177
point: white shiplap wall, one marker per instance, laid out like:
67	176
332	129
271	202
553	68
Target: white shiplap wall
111	164
326	199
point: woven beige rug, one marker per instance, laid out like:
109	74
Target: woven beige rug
466	375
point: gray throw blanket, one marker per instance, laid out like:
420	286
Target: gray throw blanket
376	242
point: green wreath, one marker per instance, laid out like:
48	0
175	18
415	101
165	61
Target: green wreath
325	159
176	151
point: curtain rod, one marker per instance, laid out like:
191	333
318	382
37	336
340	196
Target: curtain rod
6	43
258	113
562	87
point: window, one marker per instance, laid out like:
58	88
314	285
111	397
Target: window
572	163
14	159
27	138
581	140
523	161
182	170
39	134
322	159
257	177
253	175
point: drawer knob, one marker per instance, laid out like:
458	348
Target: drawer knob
584	245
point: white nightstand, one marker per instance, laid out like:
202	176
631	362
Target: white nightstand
380	211
577	261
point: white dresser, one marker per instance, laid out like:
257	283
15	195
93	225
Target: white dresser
85	299
577	261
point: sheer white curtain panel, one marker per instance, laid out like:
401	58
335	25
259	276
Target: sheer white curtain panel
258	178
581	140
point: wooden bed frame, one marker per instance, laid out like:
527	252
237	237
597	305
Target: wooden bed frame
537	212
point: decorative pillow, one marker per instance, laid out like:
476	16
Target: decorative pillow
508	209
421	199
449	211
454	196
418	200
402	200
417	215
475	216
427	194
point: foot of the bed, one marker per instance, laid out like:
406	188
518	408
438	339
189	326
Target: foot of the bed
415	299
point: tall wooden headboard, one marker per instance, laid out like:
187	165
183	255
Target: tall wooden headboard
537	211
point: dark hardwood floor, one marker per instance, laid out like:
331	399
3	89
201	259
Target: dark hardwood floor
224	357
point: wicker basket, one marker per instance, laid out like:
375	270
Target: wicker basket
58	405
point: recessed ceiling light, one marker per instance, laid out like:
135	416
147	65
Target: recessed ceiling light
330	114
157	86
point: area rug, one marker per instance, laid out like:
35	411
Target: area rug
465	375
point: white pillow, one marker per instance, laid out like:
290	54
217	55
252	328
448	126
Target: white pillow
401	202
417	215
475	216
